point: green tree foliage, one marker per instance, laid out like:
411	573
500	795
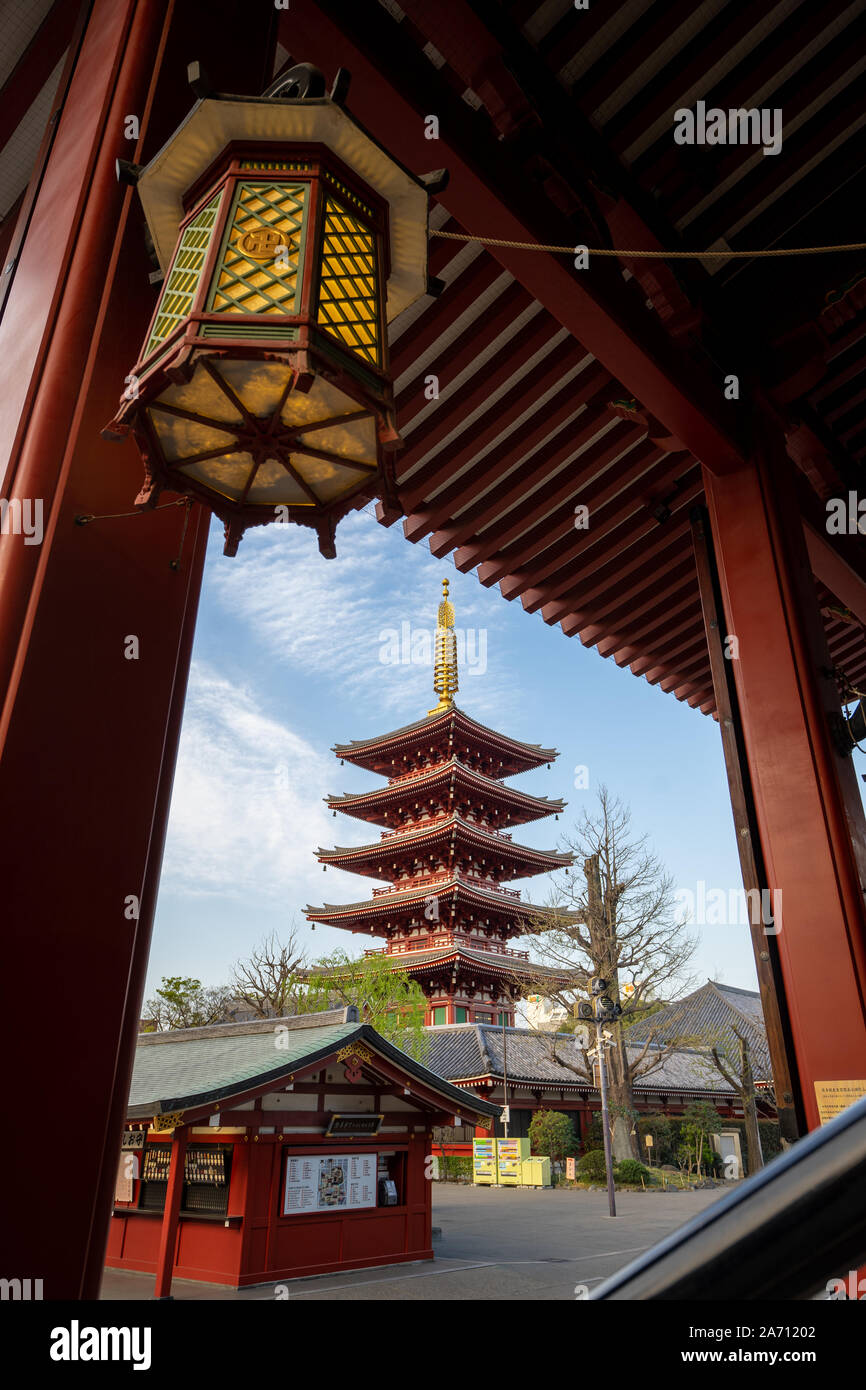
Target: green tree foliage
184	1002
551	1133
700	1120
388	1000
664	1140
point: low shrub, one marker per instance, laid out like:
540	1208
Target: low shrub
591	1166
629	1170
453	1167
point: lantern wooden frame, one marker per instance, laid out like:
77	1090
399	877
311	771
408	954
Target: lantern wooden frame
321	326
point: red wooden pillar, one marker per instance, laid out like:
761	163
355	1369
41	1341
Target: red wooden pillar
171	1213
88	738
808	808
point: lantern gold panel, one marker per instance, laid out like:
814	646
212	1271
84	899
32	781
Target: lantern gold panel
182	280
348	293
258	270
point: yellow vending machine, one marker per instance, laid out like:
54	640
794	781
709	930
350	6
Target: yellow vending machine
511	1155
536	1172
484	1162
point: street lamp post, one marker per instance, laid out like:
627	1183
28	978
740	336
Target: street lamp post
605	1118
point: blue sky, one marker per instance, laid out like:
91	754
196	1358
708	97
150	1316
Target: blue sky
294	653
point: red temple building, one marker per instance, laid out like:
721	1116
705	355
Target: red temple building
446	853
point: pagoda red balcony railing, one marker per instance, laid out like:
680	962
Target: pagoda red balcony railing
413	885
417	772
431	822
434	942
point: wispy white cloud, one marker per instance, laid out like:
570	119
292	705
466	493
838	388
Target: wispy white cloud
339	619
247	811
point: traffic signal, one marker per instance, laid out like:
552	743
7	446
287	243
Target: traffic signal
584	1010
597	985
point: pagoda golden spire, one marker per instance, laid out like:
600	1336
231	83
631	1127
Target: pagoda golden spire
445	655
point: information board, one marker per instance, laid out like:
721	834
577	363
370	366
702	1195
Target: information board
329	1182
835	1096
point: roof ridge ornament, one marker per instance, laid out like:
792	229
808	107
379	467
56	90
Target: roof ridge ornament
445	659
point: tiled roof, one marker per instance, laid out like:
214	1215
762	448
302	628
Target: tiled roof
535	750
511	965
188	1068
442	772
709	1015
441	829
464	1051
513	906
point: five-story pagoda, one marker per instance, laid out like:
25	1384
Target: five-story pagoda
446	853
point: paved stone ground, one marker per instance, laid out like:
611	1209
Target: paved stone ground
496	1244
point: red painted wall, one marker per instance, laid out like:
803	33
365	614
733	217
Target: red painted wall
268	1246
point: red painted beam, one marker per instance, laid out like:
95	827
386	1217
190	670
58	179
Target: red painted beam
35	66
678	578
79	302
520	489
392	91
460	296
633	474
461	354
831	568
488	429
454	406
653	625
808	806
636	556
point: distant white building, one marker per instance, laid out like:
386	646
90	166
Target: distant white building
542	1013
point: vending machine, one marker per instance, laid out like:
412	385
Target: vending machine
510	1156
484	1162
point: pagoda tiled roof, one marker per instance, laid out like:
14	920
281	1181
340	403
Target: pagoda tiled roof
507	903
437	830
418	782
495	962
533	753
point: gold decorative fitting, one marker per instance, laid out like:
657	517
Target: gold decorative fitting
262	243
355	1050
170	1120
445	682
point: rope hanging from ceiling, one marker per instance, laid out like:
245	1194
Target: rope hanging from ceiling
651	255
